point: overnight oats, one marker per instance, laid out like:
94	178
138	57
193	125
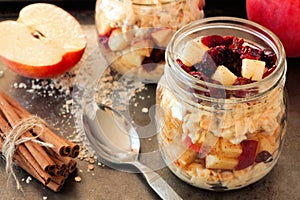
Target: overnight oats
133	34
221	107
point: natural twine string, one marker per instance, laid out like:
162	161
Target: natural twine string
12	140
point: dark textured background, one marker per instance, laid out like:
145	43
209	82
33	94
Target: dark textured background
282	183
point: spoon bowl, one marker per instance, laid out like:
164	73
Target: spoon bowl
116	141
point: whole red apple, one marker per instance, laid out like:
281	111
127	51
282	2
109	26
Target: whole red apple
280	16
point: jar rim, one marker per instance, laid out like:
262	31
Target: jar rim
192	27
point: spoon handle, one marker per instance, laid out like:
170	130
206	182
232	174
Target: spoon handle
157	183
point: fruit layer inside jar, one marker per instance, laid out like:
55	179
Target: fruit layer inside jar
226	60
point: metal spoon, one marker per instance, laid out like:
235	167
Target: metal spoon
115	140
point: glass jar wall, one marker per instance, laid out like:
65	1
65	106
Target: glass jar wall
133	34
215	136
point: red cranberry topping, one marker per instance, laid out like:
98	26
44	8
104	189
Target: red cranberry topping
183	66
269	57
251	53
269	71
236	44
242	81
243	93
212	40
228	51
199	75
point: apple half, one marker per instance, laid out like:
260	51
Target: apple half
45	41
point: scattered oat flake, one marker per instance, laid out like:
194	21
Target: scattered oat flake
28	179
45	198
91	167
77	179
92	161
144	110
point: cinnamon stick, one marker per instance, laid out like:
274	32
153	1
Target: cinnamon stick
54	186
61	146
75	149
30	167
35	149
24	155
50	166
69	162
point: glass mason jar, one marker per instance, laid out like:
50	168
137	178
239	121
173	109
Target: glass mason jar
133	34
221	142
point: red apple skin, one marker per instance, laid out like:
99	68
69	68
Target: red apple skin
280	16
247	158
69	60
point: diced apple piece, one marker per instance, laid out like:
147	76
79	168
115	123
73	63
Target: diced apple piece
132	59
208	142
217	162
118	40
253	69
267	143
193	52
142	47
187	157
230	150
162	37
224	75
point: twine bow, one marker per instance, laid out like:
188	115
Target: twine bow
12	140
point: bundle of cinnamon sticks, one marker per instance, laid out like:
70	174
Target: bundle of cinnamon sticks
50	165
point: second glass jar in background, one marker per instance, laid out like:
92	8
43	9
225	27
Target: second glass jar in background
133	34
228	142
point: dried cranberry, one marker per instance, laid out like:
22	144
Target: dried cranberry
228	40
269	57
237	45
148	64
269	71
242	81
183	66
251	53
206	66
220	55
243	93
217	93
263	156
248	154
157	55
199	75
212	40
